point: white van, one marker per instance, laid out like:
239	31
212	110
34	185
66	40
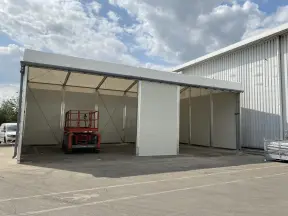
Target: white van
8	133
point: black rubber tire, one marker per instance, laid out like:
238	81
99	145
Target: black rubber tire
66	151
62	146
5	141
65	145
96	151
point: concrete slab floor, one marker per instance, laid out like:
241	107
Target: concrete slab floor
219	183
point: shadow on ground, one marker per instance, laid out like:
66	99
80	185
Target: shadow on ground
116	161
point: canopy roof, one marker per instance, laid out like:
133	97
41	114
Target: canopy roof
60	70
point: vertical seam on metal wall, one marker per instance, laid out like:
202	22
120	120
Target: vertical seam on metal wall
282	90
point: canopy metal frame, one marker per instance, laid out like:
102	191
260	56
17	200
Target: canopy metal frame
41	60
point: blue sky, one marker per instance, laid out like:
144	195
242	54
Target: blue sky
157	34
269	6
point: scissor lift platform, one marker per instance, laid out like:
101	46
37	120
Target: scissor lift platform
81	131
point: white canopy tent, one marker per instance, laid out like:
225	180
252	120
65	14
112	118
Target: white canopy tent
52	84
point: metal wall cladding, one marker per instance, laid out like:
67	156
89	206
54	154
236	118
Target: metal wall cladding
256	67
284	57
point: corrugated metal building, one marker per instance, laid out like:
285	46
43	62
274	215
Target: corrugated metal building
261	65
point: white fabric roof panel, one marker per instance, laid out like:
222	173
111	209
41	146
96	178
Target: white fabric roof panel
134	88
48	79
61	62
45	86
84	80
198	92
42	75
45	77
116	84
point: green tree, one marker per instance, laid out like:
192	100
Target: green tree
9	110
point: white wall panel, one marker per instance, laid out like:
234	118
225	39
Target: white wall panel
43	115
111	114
257	69
158	119
224	133
131	121
184	121
200	120
42	126
224	122
111	118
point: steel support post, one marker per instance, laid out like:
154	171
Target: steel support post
22	110
96	107
238	123
178	118
211	118
190	117
62	113
124	118
18	115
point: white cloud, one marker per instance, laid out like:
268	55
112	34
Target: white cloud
11	49
10	57
179	32
67	27
225	24
94	7
113	16
8	91
167	29
267	22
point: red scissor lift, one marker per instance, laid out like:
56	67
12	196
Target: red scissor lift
81	131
